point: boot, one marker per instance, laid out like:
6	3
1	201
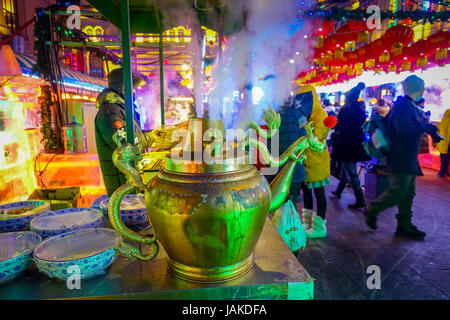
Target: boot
360	202
306	216
318	228
371	220
340	188
406	229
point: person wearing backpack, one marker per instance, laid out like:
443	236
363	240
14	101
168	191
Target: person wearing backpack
348	147
404	128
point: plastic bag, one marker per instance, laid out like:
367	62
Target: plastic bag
288	223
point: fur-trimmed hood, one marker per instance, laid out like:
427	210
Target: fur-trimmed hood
109	96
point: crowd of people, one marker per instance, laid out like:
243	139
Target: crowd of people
407	127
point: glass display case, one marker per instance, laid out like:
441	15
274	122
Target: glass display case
17	180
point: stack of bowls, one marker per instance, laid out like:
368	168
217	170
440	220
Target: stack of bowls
86	253
132	210
16	216
96	203
65	220
15	253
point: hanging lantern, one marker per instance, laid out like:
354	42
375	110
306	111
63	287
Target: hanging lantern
335	76
325	69
370	63
358	67
398	36
439	40
392	68
406	65
441	54
339	53
325	28
421	62
384	57
378	47
364	53
378	70
397	49
320	42
350	46
363	37
399	33
352	57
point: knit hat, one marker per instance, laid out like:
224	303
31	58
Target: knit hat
412	84
115	79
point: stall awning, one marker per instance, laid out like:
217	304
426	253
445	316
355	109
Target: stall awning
70	77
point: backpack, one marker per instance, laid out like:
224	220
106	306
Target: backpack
376	142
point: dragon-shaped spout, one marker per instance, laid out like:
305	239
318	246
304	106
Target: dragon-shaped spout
293	155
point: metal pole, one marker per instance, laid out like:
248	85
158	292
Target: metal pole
161	74
127	76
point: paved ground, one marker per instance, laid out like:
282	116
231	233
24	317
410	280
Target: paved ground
409	269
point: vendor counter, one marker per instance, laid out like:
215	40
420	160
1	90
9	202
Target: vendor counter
276	274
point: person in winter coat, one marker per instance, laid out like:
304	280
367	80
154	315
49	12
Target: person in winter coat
354	93
328	107
404	127
443	146
317	167
348	148
381	108
424	117
111	108
293	119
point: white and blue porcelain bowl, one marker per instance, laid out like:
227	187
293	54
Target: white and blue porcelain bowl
65	220
132	209
86	252
15	253
18	222
96	203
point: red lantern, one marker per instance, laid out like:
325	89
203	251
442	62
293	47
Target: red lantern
438	40
399	34
325	29
357	26
378	47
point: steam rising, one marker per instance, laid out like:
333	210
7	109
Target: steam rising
269	52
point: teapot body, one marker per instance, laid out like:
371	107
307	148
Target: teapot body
208	223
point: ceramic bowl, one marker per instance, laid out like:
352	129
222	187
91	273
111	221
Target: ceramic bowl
65	220
87	252
132	209
18	222
96	203
15	253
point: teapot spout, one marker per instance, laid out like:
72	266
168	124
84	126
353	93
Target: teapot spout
280	185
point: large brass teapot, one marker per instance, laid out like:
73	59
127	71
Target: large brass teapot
208	215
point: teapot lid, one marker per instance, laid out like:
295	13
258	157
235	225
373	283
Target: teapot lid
205	150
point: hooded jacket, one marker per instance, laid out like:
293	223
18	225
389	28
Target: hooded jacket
111	108
444	131
405	128
317	165
348	134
